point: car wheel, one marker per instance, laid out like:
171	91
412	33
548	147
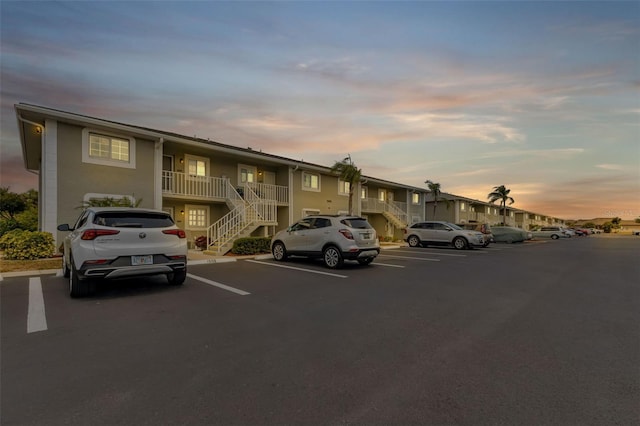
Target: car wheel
413	241
177	277
279	251
332	257
554	237
460	243
365	261
77	287
65	268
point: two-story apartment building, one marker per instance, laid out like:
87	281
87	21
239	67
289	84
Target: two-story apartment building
211	189
458	209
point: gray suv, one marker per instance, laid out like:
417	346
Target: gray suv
442	233
332	238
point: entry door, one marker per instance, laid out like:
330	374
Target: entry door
167	178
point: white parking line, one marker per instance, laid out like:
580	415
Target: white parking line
388	264
36	317
412	258
431	252
219	285
297	269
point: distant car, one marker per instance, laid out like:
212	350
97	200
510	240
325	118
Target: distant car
553	232
442	233
120	242
509	234
330	237
485	228
569	232
595	231
636	232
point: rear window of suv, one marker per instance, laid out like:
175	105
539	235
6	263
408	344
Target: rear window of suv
356	223
133	220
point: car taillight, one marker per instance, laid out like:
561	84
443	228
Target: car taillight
178	232
346	233
92	234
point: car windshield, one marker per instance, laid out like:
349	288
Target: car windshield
356	222
133	219
454	226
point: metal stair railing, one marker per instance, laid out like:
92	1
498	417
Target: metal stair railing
226	228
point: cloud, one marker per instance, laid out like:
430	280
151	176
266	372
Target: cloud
610	166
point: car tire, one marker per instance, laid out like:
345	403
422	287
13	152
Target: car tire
77	287
65	268
177	277
460	243
413	241
554	237
332	257
279	251
365	261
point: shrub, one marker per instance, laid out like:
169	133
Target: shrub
27	245
251	245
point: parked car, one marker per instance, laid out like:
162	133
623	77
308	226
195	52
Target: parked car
116	242
442	233
485	228
595	231
509	234
569	232
553	232
330	237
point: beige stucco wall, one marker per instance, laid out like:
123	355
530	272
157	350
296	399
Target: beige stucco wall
78	178
327	200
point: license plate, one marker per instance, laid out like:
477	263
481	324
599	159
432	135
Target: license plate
142	260
366	236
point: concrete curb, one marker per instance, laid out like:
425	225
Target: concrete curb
219	259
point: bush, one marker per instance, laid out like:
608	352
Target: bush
27	245
251	245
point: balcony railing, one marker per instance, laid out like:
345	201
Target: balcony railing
374	205
277	193
177	183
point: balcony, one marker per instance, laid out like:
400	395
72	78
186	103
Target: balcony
181	185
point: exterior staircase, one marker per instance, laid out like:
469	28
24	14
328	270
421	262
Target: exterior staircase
245	216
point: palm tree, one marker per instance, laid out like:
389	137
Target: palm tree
434	188
349	173
501	193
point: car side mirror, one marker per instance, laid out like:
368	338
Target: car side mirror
64	227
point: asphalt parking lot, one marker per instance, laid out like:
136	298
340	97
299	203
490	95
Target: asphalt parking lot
543	332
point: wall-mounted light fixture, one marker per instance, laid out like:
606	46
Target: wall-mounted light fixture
182	212
38	129
181	161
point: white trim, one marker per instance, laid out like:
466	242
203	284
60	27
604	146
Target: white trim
157	174
86	158
341	185
207	168
188	207
49	177
311	189
250	169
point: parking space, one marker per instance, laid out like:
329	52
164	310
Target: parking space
417	321
37	298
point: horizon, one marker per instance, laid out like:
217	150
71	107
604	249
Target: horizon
540	97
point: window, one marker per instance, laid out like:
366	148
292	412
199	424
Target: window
364	192
310	182
308	212
246	174
463	206
108	149
343	187
197	168
415	198
382	195
197	217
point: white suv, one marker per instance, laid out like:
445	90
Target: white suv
116	242
332	238
442	233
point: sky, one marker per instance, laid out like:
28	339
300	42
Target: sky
542	97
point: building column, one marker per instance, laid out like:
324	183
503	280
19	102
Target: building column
49	179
